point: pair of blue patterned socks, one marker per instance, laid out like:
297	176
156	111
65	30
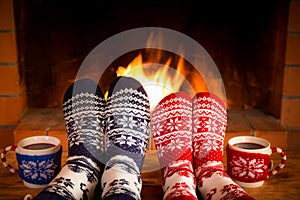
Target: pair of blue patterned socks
92	171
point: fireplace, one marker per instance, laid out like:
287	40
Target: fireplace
56	36
246	41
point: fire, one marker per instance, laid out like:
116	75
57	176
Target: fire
158	80
162	73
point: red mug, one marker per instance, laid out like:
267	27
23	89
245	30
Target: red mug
249	162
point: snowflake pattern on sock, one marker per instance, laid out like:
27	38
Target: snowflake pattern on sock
84	112
128	119
171	129
209	125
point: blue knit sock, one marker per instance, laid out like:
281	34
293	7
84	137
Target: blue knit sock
84	112
128	119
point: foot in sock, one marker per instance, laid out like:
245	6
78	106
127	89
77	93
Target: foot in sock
209	124
128	119
172	133
84	112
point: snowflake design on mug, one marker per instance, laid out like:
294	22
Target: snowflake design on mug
40	170
248	167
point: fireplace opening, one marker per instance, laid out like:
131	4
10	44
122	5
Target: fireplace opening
245	42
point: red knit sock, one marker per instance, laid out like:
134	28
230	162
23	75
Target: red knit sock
209	124
171	128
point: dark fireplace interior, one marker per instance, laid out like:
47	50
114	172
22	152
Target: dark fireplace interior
245	39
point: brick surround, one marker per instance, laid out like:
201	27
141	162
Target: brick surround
12	86
290	109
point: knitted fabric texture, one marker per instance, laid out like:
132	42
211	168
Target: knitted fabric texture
128	119
84	112
172	133
209	124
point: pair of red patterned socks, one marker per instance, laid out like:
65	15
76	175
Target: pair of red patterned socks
189	139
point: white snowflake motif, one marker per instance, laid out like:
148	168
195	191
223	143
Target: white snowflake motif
176	144
95	124
144	126
120	140
174	124
188	124
80	123
210	145
211	125
110	123
130	141
94	140
74	139
39	170
127	122
157	129
197	147
160	150
196	125
247	167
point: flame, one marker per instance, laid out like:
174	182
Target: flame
158	80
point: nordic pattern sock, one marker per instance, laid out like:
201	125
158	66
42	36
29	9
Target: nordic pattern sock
128	119
172	132
209	125
84	112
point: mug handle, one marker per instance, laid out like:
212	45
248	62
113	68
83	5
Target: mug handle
3	159
281	165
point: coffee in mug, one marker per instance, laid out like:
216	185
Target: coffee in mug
249	146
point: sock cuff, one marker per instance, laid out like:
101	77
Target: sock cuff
73	182
121	176
179	181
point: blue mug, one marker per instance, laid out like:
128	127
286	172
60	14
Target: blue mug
39	160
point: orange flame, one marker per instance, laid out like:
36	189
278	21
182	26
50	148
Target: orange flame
160	80
157	79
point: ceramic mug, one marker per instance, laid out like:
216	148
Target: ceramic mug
39	160
248	160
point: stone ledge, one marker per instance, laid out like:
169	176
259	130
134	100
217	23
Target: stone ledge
256	123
